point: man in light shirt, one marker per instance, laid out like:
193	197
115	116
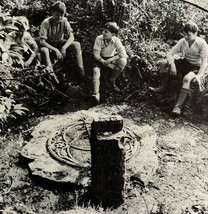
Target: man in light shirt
192	63
110	55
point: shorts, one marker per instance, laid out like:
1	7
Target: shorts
58	45
183	67
98	64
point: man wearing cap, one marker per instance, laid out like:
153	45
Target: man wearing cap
109	54
21	41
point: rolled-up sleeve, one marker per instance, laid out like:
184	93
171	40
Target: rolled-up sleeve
97	48
120	49
67	28
203	55
44	30
204	50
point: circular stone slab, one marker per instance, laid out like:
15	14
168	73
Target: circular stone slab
60	148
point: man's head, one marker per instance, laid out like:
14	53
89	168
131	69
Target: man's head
58	10
190	30
110	29
21	22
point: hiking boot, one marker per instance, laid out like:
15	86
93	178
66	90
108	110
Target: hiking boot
176	111
95	99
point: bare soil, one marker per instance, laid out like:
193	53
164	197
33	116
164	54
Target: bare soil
179	186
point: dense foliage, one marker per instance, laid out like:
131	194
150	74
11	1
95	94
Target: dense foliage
148	29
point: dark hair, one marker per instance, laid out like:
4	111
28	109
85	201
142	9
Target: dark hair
59	7
112	27
190	26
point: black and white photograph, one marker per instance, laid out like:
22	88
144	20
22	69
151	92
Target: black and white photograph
104	107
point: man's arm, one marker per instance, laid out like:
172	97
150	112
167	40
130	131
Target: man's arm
203	66
68	32
32	45
203	56
121	49
170	56
44	43
69	41
121	52
97	49
67	44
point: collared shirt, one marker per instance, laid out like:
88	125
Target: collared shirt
108	50
54	32
193	54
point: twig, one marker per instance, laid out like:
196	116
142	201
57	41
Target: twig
28	130
55	77
196	5
147	16
64	95
52	87
125	99
43	103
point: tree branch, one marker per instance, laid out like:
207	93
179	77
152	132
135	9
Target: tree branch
196	5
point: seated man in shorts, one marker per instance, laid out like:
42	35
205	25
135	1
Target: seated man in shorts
192	64
110	55
56	37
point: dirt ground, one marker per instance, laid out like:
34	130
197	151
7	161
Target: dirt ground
179	186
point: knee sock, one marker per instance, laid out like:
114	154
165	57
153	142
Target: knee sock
182	96
115	73
96	86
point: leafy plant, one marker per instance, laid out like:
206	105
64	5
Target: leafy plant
8	109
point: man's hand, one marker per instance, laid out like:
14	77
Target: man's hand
58	55
103	62
173	70
63	52
108	61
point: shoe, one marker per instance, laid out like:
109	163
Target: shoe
95	98
176	111
186	113
111	84
157	90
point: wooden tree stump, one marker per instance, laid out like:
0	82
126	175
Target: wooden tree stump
108	162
